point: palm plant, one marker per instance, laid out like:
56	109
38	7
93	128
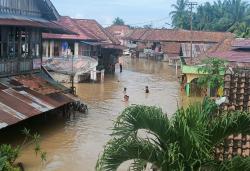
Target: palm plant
241	30
180	14
184	142
237	11
222	15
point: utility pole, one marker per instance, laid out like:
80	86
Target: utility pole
191	6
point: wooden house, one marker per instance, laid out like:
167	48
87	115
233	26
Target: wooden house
26	89
91	40
21	25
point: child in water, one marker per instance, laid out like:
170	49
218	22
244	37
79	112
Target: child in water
126	98
147	90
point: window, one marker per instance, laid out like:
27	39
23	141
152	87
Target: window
16	42
24	35
35	44
11	43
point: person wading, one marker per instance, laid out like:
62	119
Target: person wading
121	64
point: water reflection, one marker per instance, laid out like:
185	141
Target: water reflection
75	144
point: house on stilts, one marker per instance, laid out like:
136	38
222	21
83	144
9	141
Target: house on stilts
26	89
92	49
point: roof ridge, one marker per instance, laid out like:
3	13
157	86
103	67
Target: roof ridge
108	34
85	30
90	31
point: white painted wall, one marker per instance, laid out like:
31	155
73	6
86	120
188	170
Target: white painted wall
51	53
76	48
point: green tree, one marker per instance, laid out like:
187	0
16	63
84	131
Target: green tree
148	26
118	21
241	30
211	70
9	154
222	15
237	11
184	142
180	16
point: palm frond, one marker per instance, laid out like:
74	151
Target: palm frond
192	131
152	119
138	165
235	164
119	151
228	124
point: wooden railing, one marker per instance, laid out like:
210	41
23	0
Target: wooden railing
14	67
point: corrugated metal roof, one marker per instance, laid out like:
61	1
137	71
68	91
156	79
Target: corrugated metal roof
22	97
46	26
241	43
233	56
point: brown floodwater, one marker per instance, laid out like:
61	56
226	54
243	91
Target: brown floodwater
74	144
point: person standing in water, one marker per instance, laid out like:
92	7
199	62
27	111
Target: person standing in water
125	90
147	90
120	64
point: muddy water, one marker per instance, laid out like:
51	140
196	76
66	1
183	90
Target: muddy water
74	144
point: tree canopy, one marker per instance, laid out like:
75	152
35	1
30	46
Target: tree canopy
118	21
221	15
212	69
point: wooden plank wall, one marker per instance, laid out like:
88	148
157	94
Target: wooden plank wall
25	6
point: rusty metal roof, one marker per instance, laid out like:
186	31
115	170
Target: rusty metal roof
22	97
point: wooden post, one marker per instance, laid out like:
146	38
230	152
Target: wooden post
51	48
176	67
188	91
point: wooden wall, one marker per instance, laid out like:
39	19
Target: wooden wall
20	7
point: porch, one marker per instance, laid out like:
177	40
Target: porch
19	66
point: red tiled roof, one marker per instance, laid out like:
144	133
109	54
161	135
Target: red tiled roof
118	28
177	35
97	30
86	30
136	34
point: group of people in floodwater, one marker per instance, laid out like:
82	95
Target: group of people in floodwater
126	97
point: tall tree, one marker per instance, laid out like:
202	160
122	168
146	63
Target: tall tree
180	15
222	15
241	30
183	142
118	21
237	11
148	26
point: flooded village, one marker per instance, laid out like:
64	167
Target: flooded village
76	94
